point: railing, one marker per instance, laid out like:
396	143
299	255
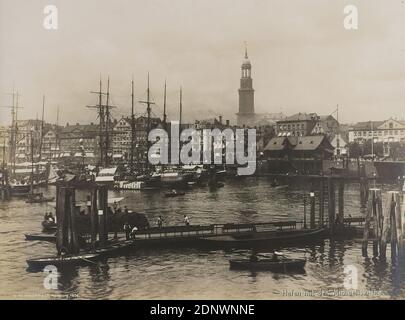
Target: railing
214	229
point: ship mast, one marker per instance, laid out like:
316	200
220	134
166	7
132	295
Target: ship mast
180	116
13	128
132	126
32	163
148	103
42	128
164	108
107	123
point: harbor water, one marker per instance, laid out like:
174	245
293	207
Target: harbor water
199	274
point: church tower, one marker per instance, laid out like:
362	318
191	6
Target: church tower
246	114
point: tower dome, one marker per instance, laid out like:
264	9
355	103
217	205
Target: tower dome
246	62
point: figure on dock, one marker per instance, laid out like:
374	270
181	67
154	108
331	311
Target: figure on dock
133	232
186	220
160	222
127	229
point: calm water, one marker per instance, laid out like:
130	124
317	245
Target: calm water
192	274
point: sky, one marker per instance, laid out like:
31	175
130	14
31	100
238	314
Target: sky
303	59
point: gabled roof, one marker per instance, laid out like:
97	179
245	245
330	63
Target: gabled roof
301	117
367	125
80	128
276	144
309	143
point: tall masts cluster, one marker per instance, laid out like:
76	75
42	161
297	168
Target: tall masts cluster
14	128
104	114
148	103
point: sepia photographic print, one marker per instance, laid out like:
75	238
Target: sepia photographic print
229	150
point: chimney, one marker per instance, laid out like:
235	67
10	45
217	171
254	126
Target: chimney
227	123
220	119
67	124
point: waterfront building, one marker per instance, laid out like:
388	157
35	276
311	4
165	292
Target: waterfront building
4	144
79	139
385	132
308	124
122	138
390	130
303	155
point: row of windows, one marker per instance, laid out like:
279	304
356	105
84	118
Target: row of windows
291	126
378	133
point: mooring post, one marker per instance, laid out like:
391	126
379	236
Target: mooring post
312	212
331	205
75	246
62	234
394	235
376	215
367	223
305	211
385	235
341	202
380	217
321	202
93	218
102	213
402	245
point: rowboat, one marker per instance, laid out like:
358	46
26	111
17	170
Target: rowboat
40	237
67	260
173	194
275	265
49	225
114	248
39	198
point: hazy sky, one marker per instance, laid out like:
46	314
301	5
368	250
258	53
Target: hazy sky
303	59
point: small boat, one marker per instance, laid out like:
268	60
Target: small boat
49	225
114	248
39	198
67	260
174	193
274	184
275	265
40	237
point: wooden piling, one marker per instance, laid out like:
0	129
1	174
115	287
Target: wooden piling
75	246
363	191
402	245
385	235
341	202
376	203
321	203
398	222
393	219
312	210
102	213
367	223
62	234
93	218
331	205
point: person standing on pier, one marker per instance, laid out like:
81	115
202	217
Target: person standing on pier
160	222
133	232
127	229
186	221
